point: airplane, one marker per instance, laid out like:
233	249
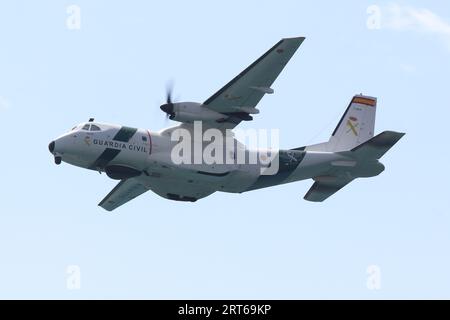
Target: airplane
142	160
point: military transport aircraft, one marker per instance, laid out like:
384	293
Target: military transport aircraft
142	160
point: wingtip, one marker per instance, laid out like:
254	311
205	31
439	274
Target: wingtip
400	134
295	38
106	209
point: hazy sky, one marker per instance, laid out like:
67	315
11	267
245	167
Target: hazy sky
389	233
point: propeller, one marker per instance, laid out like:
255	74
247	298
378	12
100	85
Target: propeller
168	107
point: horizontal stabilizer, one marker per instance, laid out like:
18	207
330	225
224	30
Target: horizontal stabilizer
323	189
376	147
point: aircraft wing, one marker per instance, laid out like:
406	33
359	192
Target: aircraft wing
322	189
125	191
170	182
241	95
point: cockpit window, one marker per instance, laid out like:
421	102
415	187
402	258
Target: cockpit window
86	127
95	128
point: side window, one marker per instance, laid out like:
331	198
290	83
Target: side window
86	127
95	128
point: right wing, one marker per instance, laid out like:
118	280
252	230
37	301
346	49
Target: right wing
324	188
125	191
241	95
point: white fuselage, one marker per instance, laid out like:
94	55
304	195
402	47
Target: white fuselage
124	152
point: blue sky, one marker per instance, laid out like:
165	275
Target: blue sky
266	244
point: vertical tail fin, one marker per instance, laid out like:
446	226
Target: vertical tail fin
355	127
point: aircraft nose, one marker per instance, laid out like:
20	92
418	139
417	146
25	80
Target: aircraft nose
51	146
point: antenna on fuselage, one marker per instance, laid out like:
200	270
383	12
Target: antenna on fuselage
91	119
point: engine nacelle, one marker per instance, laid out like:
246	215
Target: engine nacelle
118	172
192	111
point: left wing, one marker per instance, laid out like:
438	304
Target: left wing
125	191
240	96
168	182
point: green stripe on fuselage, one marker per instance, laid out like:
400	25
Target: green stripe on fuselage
125	134
288	162
106	157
